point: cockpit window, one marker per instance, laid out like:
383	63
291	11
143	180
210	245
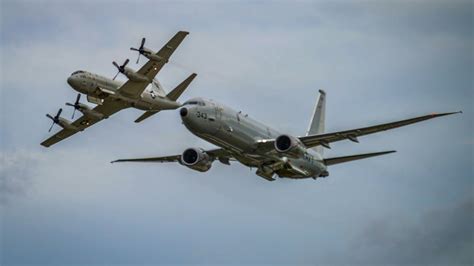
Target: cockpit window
195	103
77	72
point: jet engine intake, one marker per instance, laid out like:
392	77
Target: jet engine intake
289	145
196	159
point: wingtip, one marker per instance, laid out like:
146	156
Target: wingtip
443	114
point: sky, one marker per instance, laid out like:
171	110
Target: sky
378	61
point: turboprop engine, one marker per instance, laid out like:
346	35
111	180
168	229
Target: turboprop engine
196	159
131	75
289	145
142	50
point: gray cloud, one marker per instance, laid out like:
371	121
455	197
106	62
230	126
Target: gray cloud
17	174
443	235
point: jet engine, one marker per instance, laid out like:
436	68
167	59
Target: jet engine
196	159
289	145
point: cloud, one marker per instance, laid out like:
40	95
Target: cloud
443	235
17	171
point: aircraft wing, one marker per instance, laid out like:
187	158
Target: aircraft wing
108	108
352	134
219	154
326	138
134	89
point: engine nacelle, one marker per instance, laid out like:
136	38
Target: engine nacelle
154	57
196	159
134	76
289	145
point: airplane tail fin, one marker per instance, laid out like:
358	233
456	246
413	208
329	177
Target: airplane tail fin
344	159
317	123
174	94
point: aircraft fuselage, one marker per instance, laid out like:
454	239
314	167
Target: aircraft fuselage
100	87
237	132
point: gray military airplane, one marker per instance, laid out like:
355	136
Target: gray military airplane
256	145
141	91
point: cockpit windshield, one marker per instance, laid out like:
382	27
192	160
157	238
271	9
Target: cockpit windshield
77	72
195	103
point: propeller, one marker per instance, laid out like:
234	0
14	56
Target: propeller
121	69
140	50
55	118
75	105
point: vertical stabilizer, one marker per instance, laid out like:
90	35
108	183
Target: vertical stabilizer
316	126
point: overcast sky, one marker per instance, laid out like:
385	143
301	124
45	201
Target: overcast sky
378	62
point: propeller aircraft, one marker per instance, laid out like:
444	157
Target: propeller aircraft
140	91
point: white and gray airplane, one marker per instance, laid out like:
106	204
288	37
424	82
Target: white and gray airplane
256	145
141	91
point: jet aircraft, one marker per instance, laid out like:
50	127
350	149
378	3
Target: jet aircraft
254	144
141	91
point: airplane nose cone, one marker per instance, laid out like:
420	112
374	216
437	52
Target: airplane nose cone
183	112
70	81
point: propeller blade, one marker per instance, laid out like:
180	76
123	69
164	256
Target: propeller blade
125	63
78	98
73	112
116	75
134	49
59	113
138	59
70	104
115	64
51	127
143	43
49	116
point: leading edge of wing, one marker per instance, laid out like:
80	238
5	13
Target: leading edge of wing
352	134
220	154
163	159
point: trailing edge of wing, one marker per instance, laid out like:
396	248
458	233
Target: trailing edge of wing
344	159
164	159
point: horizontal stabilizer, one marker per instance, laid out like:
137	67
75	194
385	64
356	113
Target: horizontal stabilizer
145	115
344	159
174	94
